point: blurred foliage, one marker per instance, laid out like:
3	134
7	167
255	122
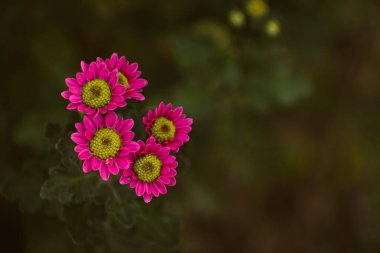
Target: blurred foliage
284	155
98	216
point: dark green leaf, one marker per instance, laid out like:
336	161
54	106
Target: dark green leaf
66	187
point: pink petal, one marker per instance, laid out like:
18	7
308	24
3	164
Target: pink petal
172	173
111	119
113	169
84	66
102	110
174	149
112	106
177	111
165	170
117	98
113	60
76	90
96	163
99	122
148	188
160	108
101	65
90	75
164	152
148	148
80	148
121	62
154	190
66	94
123	151
93	68
169	159
119	90
89	123
122	104
75	99
71	82
80	127
92	112
99	60
164	180
151	141
83	108
140	189
133	183
160	187
81	78
104	173
133	76
133	67
103	74
172	182
133	146
189	121
127	172
112	78
78	138
128	124
168	108
86	166
135	96
127	136
140	83
121	163
119	125
89	134
124	180
173	165
72	106
84	154
147	197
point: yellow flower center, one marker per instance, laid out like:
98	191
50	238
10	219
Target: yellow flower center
236	18
123	79
273	28
147	168
163	129
96	93
105	144
257	8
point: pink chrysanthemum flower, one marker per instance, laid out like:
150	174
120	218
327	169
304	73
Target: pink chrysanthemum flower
150	170
104	143
169	127
128	75
94	90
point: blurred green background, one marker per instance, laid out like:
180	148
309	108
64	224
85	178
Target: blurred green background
285	149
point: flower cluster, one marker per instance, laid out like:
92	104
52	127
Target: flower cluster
258	10
104	140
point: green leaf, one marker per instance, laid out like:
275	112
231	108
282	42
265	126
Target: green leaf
279	87
160	232
202	52
66	187
121	206
84	223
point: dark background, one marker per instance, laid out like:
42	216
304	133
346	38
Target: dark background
285	149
